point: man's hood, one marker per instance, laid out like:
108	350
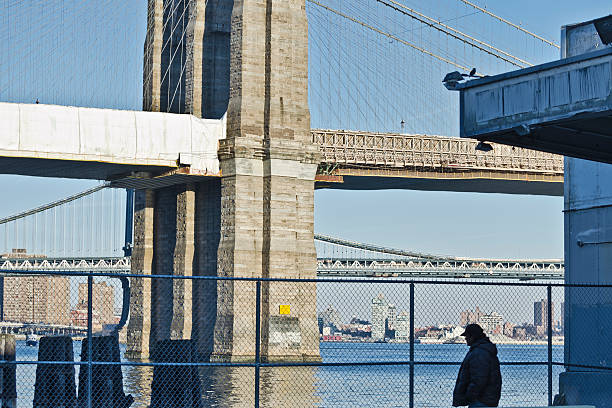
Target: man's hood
485	344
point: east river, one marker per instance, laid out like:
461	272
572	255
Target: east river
356	386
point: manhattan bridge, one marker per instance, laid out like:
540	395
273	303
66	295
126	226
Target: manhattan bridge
54	236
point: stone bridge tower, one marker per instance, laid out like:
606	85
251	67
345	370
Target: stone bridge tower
248	58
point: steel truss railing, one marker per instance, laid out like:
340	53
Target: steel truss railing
357	148
110	264
258	363
440	268
338	267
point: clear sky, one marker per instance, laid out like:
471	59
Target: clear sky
462	224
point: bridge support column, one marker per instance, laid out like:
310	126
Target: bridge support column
184	259
268	163
139	326
208	232
164	244
258	221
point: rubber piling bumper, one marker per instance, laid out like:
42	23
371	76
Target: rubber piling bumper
175	386
55	383
106	379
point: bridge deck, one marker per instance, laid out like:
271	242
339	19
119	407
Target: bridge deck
374	161
330	267
153	149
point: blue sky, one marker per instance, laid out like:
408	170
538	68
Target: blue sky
462	224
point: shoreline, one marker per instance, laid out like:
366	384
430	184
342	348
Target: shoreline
437	342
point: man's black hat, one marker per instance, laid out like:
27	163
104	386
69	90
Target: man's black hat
473	330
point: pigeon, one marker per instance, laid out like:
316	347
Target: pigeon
473	72
453	77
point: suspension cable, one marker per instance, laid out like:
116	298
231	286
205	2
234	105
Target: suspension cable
375	248
450	31
53	204
391	36
503	20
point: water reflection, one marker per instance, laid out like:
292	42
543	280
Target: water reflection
289	387
137	381
233	387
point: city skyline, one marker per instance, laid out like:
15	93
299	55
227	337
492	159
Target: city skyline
491	320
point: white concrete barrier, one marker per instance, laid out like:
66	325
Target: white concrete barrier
107	135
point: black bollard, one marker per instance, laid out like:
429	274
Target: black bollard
8	384
55	386
107	379
175	386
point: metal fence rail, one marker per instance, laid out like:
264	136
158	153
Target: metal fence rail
413	361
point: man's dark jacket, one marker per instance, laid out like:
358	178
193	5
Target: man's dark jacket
479	377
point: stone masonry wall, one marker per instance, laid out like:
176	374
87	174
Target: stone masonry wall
257	221
139	325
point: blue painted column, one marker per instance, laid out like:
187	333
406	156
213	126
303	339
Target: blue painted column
588	260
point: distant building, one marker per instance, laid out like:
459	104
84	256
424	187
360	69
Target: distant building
331	317
469	317
379	317
35	299
519	333
78	317
103	301
402	327
491	323
391	316
508	329
540	316
562	316
524	332
20	253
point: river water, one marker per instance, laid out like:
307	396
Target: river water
357	386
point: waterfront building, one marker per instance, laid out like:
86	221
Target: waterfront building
508	329
491	323
35	299
540	316
103	300
391	316
469	317
379	317
562	325
331	317
78	317
402	327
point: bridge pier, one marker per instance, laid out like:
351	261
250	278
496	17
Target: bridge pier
258	220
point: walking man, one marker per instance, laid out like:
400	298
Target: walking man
479	380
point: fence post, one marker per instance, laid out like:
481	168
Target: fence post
549	329
257	338
411	391
89	336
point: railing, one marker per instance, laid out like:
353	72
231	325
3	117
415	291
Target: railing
254	341
356	148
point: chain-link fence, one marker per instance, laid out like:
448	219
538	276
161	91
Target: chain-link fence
242	342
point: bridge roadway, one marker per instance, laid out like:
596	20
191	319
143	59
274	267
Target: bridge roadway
335	267
154	149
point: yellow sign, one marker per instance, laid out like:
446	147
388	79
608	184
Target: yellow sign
284	309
